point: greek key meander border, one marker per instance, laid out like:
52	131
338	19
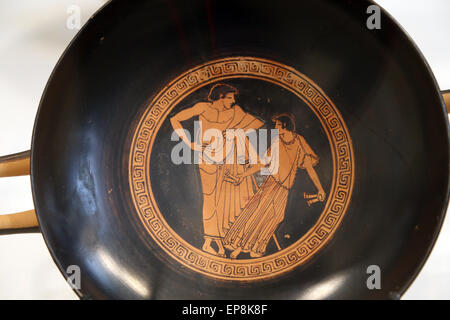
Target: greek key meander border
297	253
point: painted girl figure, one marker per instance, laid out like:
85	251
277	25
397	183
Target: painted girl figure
259	219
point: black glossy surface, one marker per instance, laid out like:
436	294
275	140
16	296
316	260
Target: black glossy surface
131	49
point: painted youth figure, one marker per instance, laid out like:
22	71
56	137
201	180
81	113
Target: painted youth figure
258	221
223	199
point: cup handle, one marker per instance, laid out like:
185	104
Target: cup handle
24	222
446	96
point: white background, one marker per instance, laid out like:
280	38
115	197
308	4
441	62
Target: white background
33	35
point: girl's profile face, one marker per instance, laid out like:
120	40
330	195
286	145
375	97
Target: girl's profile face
279	126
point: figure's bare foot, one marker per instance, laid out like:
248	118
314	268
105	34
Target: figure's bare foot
235	253
255	255
229	247
221	252
207	248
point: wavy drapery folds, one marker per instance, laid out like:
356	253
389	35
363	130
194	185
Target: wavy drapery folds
246	269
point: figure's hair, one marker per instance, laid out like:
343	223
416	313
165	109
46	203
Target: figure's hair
219	90
287	120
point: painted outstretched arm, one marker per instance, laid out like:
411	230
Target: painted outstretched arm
237	179
255	165
252	170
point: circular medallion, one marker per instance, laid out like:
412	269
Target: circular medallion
241	169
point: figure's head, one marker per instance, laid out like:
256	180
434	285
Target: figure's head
284	122
223	93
